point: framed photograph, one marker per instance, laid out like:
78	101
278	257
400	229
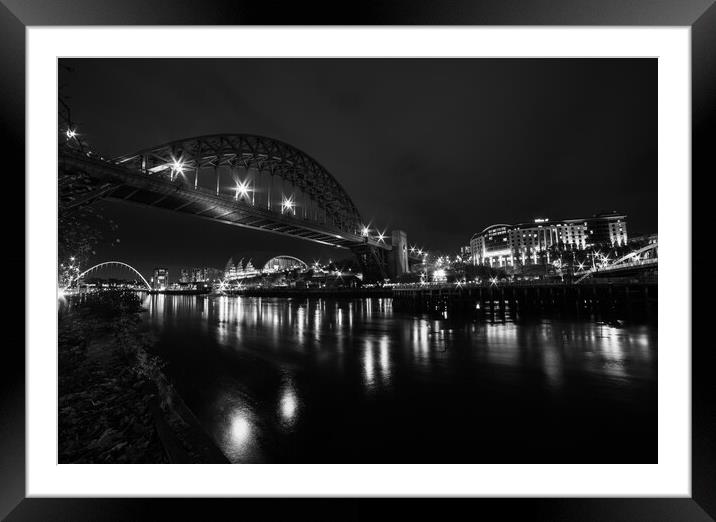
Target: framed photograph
414	253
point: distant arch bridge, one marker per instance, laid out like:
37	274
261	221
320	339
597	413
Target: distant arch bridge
110	263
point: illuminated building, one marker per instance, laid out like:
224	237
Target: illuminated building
283	263
230	269
240	270
608	229
200	274
207	274
508	246
160	281
645	239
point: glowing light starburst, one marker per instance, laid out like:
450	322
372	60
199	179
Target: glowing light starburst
242	190
288	205
177	166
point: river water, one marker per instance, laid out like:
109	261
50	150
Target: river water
277	380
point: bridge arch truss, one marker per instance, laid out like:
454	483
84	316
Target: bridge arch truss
260	171
111	263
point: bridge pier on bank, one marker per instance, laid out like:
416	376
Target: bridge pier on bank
378	263
398	255
603	302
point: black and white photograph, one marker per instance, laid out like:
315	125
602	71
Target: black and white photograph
357	260
345	261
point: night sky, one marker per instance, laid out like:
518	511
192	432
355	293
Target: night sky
440	148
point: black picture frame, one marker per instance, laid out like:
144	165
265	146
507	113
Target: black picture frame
16	15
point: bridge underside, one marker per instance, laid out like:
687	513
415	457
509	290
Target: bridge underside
108	180
123	184
373	262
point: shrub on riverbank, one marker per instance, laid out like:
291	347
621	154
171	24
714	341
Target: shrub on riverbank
106	380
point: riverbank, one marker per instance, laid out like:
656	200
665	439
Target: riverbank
104	404
114	404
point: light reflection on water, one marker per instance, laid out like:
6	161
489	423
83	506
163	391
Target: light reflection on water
270	377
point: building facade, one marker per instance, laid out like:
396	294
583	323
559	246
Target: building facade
508	246
160	279
199	275
239	270
608	229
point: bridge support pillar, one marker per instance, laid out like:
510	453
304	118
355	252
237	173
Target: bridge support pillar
399	254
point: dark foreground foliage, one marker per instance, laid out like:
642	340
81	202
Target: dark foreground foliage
106	380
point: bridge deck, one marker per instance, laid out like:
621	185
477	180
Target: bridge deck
146	190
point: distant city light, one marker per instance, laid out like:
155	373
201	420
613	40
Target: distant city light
71	134
381	236
365	231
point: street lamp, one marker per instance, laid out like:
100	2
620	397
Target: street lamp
177	167
242	190
288	205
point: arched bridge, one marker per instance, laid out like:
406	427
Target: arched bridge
110	263
645	257
245	180
283	262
